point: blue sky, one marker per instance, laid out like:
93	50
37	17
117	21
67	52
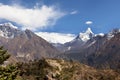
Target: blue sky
71	15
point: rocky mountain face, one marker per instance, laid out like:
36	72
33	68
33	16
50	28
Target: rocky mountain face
7	30
100	51
108	55
76	43
79	41
24	45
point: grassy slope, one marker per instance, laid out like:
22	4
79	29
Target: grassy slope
56	69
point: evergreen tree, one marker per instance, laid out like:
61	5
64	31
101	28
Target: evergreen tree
3	55
10	71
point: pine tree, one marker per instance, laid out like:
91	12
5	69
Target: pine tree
10	71
3	55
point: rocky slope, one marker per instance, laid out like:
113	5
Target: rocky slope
24	45
108	55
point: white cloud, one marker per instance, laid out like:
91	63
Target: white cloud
56	37
34	18
74	12
88	22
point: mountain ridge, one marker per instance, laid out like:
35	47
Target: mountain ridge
99	51
25	45
87	47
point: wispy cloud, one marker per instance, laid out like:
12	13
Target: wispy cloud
88	22
74	12
34	18
56	37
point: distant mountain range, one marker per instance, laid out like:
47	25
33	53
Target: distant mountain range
80	41
97	50
24	45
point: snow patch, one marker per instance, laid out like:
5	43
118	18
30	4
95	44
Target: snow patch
69	48
100	34
5	34
109	36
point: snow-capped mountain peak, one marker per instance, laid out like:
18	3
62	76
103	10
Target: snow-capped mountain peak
85	36
89	31
8	24
112	33
8	30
